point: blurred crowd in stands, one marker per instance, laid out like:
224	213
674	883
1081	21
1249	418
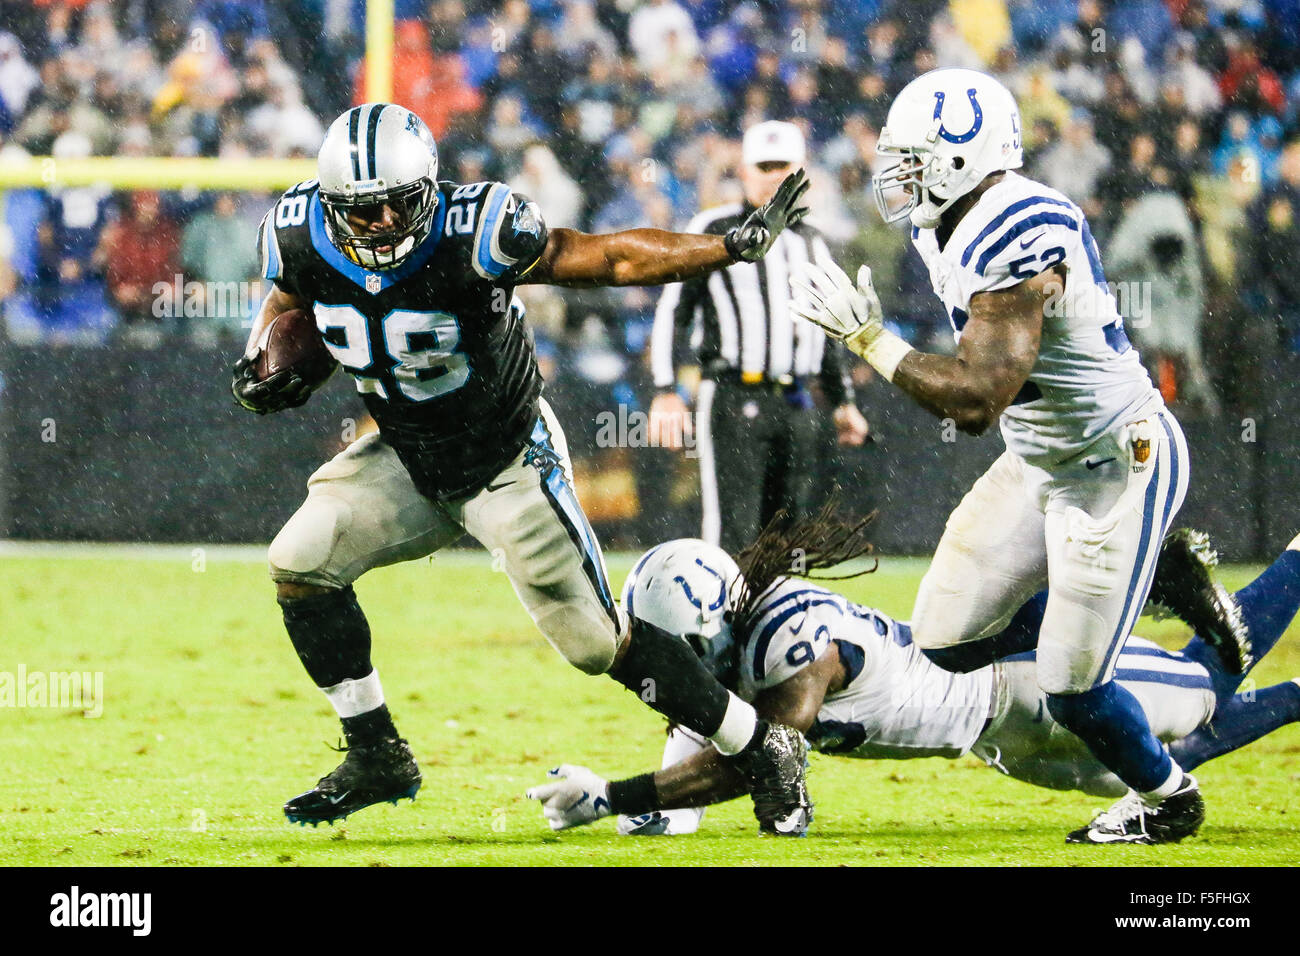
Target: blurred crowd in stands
1174	123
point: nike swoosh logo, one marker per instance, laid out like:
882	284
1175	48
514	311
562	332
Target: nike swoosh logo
1090	465
802	621
496	487
339	799
577	803
1095	836
1026	243
790	824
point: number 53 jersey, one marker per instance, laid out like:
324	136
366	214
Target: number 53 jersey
1087	378
438	345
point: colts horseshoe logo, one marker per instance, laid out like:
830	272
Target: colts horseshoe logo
967	136
699	602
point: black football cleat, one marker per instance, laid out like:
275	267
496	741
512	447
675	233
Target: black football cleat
1184	587
774	765
1178	816
369	774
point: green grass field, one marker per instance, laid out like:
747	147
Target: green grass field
209	724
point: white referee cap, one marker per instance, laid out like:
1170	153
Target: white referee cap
773	142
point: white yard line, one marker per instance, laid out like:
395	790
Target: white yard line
147	552
256	553
248	553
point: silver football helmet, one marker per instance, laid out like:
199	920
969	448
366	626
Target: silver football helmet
378	174
688	587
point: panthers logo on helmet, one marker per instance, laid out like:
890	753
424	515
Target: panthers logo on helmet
526	221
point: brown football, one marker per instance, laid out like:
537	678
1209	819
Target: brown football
292	341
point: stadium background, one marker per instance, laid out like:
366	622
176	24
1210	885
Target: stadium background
1174	124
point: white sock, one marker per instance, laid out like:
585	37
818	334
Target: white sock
738	725
354	697
1154	797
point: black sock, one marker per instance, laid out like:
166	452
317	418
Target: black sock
330	634
369	727
667	675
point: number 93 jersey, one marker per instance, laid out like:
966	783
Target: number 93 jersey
893	702
1087	378
438	345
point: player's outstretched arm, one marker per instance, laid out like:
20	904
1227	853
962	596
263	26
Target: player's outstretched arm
708	777
578	796
655	257
997	351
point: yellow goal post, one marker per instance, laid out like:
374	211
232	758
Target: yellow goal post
209	174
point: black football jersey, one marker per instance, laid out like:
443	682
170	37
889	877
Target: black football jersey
438	345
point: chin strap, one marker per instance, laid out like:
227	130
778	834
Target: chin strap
927	213
924	216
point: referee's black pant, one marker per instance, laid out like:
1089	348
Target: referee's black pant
758	450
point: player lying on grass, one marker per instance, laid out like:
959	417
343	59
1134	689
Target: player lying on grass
411	283
853	681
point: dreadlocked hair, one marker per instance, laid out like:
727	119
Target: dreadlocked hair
785	548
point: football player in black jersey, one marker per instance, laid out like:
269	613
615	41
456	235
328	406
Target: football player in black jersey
411	284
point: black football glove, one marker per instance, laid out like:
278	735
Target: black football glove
753	237
282	390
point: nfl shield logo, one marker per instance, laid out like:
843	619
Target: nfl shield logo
372	283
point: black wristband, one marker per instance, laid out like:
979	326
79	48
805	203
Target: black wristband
634	795
729	240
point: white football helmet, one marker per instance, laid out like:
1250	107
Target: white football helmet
374	156
949	129
688	587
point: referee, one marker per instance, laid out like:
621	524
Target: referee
757	430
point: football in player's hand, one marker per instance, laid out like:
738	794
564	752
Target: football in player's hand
292	342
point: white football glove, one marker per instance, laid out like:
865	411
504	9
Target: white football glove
576	797
825	296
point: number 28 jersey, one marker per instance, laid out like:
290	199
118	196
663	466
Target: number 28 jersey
1087	378
438	345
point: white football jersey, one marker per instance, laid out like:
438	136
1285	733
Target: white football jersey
1087	379
896	703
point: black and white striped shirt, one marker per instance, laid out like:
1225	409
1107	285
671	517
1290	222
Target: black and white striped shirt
740	317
